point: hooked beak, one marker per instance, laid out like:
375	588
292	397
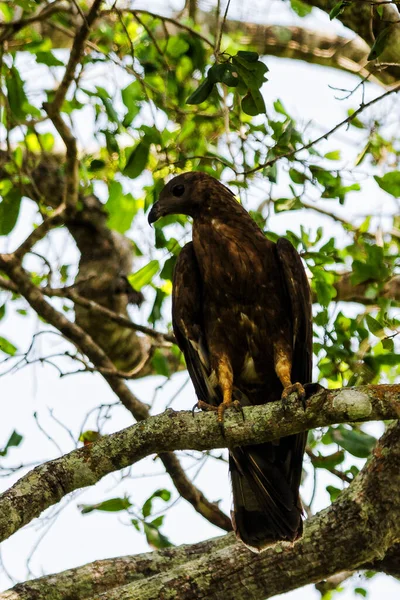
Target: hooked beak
155	213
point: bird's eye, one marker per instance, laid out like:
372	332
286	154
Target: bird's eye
178	190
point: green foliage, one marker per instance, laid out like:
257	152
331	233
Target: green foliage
243	71
380	43
112	505
14	441
338	9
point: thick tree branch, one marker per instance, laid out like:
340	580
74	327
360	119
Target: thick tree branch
360	527
362	523
48	483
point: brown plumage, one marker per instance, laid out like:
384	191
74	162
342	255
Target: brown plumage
241	314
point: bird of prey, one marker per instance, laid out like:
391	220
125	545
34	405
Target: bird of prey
241	313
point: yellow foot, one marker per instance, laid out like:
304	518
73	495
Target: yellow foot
296	388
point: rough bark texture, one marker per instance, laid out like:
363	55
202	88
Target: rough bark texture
360	529
359	18
47	484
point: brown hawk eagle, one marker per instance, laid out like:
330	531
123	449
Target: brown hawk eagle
241	313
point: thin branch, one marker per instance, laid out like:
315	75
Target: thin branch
47	484
325	136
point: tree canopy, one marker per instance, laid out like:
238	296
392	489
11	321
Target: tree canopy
101	102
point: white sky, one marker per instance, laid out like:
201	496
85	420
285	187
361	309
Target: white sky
73	539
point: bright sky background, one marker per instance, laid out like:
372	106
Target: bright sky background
72	539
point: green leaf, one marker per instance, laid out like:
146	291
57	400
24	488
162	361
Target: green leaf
334	155
155	538
96	165
7	347
388	344
283	204
132	96
223	73
137	158
160	364
338	9
358	443
361	592
107	103
300	8
121	208
253	103
333	492
390	183
380	43
279	108
89	436
177	46
251	57
9	211
112	505
16	94
49	59
2	311
202	92
144	276
330	461
14	441
296	176
374	326
147	507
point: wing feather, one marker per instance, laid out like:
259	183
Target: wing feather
187	321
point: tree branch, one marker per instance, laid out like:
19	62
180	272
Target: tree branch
359	530
48	483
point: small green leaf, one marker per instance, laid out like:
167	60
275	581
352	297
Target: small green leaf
374	326
96	165
14	441
49	59
137	158
380	43
112	505
333	492
251	57
16	94
358	443
121	207
338	9
390	183
388	344
2	311
132	96
202	92
334	155
7	347
9	211
296	176
360	591
144	276
148	505
89	436
300	8
160	363
155	538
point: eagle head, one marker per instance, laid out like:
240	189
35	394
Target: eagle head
187	194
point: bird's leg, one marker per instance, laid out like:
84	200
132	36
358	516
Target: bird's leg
225	381
283	368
